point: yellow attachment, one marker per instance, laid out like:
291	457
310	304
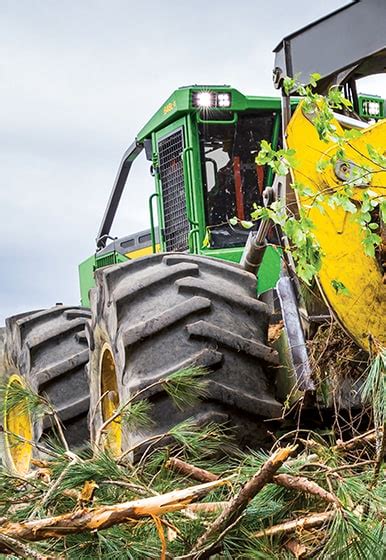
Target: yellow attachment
110	401
136	253
18	427
362	312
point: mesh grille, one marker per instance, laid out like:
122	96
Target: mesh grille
173	191
105	261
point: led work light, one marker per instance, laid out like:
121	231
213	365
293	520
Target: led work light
371	108
208	99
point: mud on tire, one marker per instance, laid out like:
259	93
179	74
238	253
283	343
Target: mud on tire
159	314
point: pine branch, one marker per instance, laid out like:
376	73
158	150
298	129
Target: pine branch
302	484
9	545
307	522
362	439
299	483
184	387
177	465
53	488
237	505
107	516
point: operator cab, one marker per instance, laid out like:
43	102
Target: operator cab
203	154
232	181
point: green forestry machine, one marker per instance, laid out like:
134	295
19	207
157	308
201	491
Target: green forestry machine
198	288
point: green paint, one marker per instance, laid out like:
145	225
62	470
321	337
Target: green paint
269	270
180	104
86	279
365	101
87	269
178	112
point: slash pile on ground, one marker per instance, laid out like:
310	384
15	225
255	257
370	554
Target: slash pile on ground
194	494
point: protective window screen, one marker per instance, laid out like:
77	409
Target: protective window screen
232	180
173	191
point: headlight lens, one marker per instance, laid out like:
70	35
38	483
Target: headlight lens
374	107
224	99
208	99
203	99
371	108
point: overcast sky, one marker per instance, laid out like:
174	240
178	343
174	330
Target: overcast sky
78	79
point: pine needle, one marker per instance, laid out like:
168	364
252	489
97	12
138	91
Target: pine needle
186	387
374	390
137	415
22	398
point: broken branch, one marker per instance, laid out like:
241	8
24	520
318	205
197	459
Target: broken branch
177	465
106	516
306	486
308	522
236	506
368	437
11	545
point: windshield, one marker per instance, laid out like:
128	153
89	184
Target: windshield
232	180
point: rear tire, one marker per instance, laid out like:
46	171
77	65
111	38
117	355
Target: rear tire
48	351
159	314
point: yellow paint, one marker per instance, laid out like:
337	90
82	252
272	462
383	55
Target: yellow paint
363	312
17	424
142	252
169	107
110	402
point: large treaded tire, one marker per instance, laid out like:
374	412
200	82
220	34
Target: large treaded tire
49	350
162	313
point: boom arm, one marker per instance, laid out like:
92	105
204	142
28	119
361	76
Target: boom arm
123	171
348	44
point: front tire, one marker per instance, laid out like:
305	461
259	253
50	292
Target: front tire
162	313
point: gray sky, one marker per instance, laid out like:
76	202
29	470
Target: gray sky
78	79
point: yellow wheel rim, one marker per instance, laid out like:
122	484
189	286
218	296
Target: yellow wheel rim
18	427
110	401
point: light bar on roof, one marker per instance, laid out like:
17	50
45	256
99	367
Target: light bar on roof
211	99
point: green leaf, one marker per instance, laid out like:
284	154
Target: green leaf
376	156
288	85
137	415
347	205
352	134
322	165
339	287
246	224
303	190
234	221
370	241
382	207
314	77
